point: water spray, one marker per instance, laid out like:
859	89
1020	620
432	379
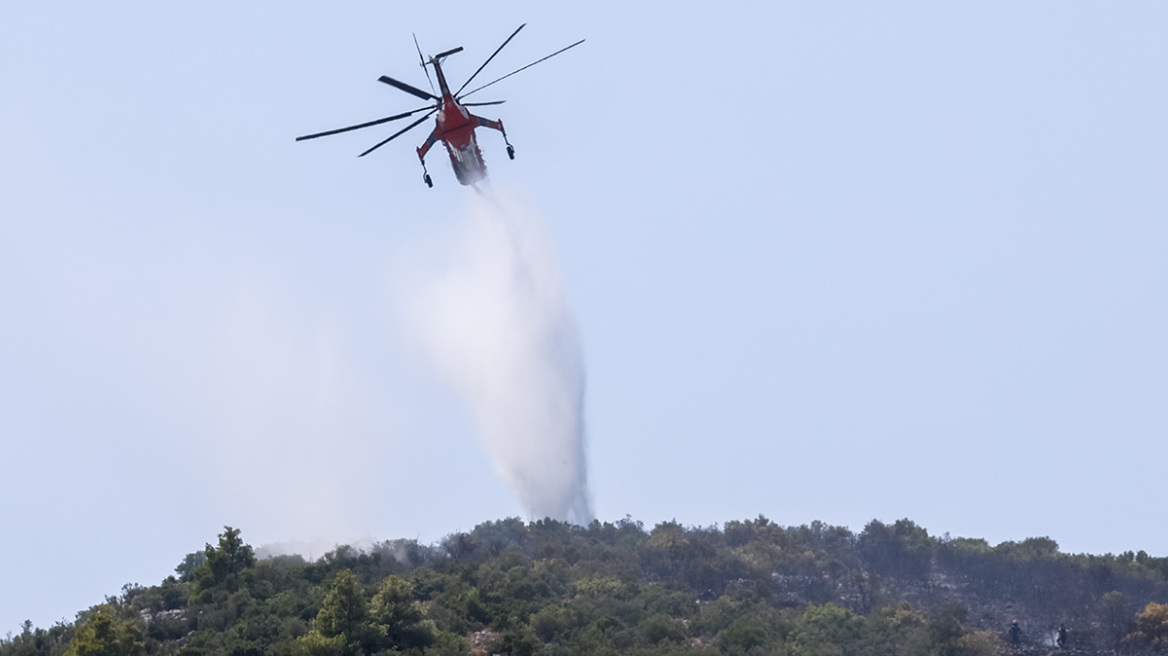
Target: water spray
498	326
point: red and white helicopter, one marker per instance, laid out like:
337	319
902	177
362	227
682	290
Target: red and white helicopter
455	126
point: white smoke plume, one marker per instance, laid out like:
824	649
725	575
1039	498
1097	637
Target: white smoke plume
497	324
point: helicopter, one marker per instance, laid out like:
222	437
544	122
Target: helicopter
454	125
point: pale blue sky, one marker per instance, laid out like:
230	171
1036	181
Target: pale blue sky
833	261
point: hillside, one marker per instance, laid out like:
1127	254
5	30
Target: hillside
549	588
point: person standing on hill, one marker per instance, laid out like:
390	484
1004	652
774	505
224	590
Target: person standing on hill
1015	633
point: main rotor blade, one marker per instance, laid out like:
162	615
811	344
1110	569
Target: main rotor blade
489	59
399	133
363	125
423	60
407	88
524	68
493	102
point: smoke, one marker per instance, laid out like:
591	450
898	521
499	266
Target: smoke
497	325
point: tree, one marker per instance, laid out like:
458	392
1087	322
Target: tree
341	626
404	623
344	607
222	566
1151	628
105	634
315	644
902	549
660	628
826	630
1114	616
186	569
743	635
231	556
37	642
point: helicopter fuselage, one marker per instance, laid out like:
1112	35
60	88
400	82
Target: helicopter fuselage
455	128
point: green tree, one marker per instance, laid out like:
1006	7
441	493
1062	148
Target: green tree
192	561
341	627
105	634
901	630
826	630
394	602
344	608
37	642
315	644
403	622
222	566
661	628
743	635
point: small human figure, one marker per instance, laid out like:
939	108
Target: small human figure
1062	636
1015	632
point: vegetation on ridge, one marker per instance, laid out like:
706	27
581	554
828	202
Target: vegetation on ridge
548	588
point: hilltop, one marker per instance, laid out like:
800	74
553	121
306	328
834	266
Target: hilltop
551	588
